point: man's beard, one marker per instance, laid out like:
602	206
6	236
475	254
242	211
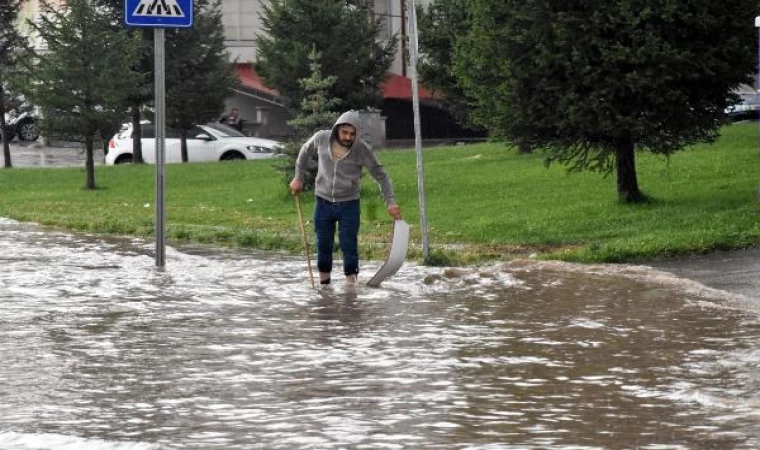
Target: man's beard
345	143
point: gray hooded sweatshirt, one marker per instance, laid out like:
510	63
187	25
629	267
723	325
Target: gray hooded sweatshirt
338	180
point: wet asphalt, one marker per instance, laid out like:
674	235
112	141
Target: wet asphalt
56	154
733	271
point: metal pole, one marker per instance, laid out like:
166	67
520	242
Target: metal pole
160	124
414	55
757	87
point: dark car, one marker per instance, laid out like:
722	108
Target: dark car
22	126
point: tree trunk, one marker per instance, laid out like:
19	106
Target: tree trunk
627	183
137	156
3	125
524	148
89	162
183	141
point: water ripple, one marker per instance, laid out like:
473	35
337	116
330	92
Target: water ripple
233	350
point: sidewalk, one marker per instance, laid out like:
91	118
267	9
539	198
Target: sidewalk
735	271
36	154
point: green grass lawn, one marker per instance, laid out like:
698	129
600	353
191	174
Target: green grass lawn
484	202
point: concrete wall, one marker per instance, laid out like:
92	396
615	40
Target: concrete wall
241	25
372	128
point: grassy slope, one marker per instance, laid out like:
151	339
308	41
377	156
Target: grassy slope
483	202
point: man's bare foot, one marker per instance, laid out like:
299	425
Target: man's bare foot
351	279
324	277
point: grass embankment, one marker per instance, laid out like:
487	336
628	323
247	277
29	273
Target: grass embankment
484	202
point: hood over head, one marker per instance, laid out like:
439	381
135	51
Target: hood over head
349	117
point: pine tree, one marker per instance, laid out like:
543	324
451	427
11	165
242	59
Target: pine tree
440	26
11	43
82	81
199	75
593	83
346	35
142	93
317	112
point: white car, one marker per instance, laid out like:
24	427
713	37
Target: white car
210	142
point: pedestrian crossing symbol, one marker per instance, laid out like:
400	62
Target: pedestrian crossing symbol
160	8
159	13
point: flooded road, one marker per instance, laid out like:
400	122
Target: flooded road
233	350
61	154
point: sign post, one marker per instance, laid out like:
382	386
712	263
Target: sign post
160	123
159	14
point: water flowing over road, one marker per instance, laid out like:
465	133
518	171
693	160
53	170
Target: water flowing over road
232	350
36	154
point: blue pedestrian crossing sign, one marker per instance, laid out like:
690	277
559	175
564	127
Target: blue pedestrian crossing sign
159	13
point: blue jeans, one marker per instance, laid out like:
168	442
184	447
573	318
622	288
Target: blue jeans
346	215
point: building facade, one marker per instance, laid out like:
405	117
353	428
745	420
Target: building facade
242	23
261	107
30	12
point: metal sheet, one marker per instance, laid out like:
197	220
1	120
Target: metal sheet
396	255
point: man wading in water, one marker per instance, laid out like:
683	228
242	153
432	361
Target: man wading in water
341	156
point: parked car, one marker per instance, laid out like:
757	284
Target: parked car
209	142
21	125
747	109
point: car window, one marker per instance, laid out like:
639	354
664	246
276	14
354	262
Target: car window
149	132
195	131
752	99
224	131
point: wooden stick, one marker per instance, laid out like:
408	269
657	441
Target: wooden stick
305	239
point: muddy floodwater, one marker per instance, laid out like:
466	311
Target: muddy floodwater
226	349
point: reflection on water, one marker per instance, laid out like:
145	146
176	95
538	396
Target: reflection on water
232	350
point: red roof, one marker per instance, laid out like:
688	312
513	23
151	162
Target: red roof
395	86
400	87
251	80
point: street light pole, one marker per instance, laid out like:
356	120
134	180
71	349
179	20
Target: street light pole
757	25
413	57
757	84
